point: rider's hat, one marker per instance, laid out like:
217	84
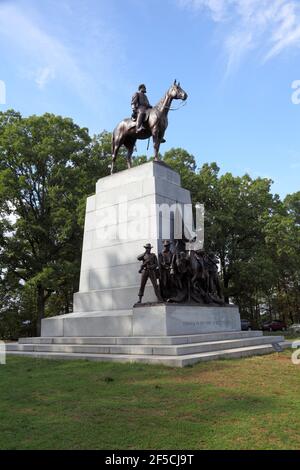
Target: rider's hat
148	245
142	86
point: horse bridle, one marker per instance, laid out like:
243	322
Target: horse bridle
178	107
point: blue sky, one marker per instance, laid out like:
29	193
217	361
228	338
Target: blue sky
236	59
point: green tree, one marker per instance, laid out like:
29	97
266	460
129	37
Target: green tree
47	168
283	241
236	208
185	164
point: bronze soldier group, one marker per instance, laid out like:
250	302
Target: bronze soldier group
181	276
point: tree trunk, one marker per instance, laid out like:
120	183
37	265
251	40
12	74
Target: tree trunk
67	303
257	310
226	285
270	308
40	308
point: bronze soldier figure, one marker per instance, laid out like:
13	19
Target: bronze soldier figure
165	262
214	280
200	279
181	271
149	269
139	105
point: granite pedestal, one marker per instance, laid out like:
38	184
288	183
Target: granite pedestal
130	208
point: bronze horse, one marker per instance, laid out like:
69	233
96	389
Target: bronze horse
155	124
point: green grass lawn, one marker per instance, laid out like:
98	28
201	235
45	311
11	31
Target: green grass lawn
251	403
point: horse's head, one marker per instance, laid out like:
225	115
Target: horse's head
177	92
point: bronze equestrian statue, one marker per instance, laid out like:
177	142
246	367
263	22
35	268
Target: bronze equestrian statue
151	122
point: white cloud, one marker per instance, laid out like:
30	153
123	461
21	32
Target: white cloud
72	48
43	76
47	57
270	26
217	8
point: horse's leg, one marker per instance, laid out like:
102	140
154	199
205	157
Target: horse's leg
112	164
130	148
156	144
115	149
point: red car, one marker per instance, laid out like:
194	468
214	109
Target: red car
274	326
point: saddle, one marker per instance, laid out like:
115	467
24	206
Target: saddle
134	119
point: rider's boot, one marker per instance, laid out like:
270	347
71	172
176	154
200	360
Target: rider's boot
139	123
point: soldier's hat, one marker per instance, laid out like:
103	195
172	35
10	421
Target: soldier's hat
148	245
167	243
142	86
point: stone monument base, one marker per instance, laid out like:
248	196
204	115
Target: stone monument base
177	319
160	319
174	335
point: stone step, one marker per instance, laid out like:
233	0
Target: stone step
173	361
153	340
157	350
